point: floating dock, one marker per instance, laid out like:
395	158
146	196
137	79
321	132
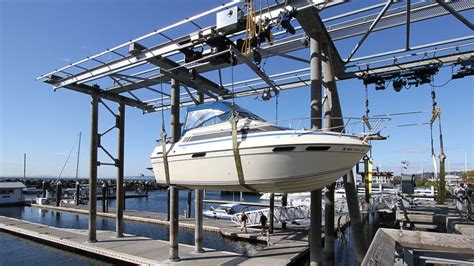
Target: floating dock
285	249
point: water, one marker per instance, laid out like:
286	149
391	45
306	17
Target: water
155	202
13	253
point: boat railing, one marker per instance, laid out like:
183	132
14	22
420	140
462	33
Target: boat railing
280	214
368	125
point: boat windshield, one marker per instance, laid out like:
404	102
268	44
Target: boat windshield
213	113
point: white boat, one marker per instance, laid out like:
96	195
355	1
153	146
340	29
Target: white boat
224	212
273	159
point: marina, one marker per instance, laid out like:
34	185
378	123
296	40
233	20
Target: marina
296	132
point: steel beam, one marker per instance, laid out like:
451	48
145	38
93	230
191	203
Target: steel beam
120	192
455	13
370	29
199	82
408	24
187	82
406	66
102	94
254	68
94	137
314	28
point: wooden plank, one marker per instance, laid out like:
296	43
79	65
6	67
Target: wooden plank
432	241
381	251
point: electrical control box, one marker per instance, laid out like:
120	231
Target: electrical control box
229	19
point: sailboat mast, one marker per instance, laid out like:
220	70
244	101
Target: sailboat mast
78	152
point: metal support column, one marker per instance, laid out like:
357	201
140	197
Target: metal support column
78	193
94	139
58	193
330	116
442	181
284	203
188	203
174	192
198	206
316	123
103	197
271	213
106	196
43	187
168	195
357	227
120	192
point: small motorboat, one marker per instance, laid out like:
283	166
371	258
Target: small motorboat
267	158
224	212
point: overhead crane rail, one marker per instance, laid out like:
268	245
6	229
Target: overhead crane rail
305	20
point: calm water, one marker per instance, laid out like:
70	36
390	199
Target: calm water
156	202
13	252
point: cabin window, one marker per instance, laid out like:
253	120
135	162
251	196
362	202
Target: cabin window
282	149
198	155
318	148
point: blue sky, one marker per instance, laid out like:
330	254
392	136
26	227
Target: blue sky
39	36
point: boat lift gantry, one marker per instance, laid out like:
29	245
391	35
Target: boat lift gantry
133	74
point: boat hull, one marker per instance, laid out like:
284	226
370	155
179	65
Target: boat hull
286	166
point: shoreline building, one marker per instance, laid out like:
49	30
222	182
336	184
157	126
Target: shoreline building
11	193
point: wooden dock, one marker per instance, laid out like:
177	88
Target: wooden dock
404	247
425	214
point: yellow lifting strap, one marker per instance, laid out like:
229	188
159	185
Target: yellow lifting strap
436	113
165	158
238	161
